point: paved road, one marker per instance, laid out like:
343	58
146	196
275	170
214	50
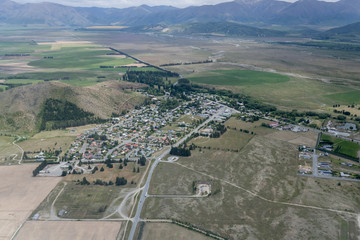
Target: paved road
315	164
176	196
144	193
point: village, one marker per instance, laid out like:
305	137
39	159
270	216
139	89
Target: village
139	133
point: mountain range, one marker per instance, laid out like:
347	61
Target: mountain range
258	12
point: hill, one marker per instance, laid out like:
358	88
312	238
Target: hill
224	28
349	32
21	106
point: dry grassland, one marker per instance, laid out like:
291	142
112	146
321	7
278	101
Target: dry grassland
266	167
20	194
168	231
62	230
302	138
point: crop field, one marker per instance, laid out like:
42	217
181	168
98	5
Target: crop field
20	195
238	78
7	48
82	57
253	185
61	230
167	231
351	97
342	146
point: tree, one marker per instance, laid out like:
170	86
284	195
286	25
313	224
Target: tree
138	169
64	173
85	181
120	181
102	169
142	161
121	166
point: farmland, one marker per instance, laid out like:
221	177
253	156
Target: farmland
61	230
341	146
238	78
81	57
20	195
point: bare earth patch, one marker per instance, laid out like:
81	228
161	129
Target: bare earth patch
64	230
20	194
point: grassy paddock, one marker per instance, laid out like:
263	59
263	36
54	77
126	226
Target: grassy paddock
238	78
342	146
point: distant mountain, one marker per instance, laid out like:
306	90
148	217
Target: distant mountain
349	32
315	12
257	12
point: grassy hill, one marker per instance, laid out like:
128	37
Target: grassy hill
21	106
349	32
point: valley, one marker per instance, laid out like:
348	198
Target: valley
224	121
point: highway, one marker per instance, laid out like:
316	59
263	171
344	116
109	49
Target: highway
144	193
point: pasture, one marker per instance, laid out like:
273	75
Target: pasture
341	146
238	78
78	57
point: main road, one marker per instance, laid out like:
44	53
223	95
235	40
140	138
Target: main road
144	193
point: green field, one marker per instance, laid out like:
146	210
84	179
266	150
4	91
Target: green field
20	47
78	58
238	78
22	81
341	146
345	98
81	79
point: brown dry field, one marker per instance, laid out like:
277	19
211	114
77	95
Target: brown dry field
169	231
266	167
302	138
20	194
66	230
111	173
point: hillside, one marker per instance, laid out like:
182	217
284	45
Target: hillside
226	29
349	32
21	106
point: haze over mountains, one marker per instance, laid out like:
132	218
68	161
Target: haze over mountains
262	12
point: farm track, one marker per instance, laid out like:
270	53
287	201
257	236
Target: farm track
268	200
